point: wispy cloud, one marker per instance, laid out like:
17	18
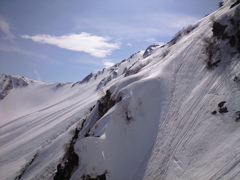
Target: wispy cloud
89	61
129	44
39	78
16	49
163	23
108	63
84	42
5	28
139	25
154	41
177	20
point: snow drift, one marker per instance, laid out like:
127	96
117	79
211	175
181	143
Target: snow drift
169	112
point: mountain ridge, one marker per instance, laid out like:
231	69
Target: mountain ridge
169	112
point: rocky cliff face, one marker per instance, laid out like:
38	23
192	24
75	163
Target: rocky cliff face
8	82
169	112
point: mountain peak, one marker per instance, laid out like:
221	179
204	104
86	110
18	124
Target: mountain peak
8	82
170	112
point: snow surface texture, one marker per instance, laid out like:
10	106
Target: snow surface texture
167	113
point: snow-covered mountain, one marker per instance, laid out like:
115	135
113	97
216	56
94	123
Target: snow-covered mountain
170	112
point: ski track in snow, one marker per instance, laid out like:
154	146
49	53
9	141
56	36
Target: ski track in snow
162	128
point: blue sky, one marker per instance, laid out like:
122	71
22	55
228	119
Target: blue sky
65	40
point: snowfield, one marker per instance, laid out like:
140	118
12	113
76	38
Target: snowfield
171	112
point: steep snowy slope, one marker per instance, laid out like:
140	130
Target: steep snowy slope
177	115
38	119
169	112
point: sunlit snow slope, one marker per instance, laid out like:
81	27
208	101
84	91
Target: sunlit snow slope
171	112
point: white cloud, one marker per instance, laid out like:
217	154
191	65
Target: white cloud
108	63
84	42
5	28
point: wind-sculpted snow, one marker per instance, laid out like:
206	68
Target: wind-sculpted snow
125	134
37	120
166	113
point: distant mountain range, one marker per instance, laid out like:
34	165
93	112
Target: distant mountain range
169	112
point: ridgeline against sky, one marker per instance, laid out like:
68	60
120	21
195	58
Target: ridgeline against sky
45	39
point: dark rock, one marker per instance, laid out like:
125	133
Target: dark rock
214	112
148	51
99	177
221	104
234	4
232	41
218	30
223	110
237	116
